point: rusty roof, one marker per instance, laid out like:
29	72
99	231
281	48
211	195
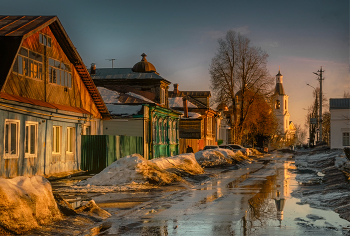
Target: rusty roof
190	93
42	103
13	29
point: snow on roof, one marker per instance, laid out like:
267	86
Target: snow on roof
123	110
178	102
191	115
108	96
139	97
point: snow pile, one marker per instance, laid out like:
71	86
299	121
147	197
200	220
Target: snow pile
184	163
213	157
26	203
132	169
253	151
317	161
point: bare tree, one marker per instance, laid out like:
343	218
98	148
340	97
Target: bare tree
238	66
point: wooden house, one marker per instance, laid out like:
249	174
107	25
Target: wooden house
199	123
137	99
47	98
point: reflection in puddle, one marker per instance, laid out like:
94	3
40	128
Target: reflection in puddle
273	209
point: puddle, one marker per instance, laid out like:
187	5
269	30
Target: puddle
273	211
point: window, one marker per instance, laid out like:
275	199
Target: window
11	138
29	63
60	73
174	132
31	136
56	140
87	130
44	39
346	139
278	104
154	130
285	104
162	96
210	125
160	130
165	131
70	138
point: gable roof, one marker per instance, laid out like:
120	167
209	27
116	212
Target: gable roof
14	29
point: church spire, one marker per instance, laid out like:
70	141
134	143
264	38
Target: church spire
279	83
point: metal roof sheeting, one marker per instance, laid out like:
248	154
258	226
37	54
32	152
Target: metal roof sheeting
123	73
279	89
21	25
339	103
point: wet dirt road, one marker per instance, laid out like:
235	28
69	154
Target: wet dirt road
252	200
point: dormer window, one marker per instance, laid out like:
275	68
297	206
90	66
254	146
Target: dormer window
45	40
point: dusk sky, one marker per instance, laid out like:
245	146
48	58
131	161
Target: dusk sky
180	38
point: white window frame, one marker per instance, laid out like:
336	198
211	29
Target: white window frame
28	154
54	139
70	141
162	96
9	122
85	128
348	137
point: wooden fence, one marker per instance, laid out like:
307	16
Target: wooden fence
99	151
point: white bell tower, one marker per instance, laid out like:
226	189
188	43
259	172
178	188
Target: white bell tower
281	105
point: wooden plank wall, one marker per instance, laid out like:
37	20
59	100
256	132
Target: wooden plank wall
77	96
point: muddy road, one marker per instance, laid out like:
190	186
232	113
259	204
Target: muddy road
251	199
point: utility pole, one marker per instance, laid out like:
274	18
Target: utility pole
320	115
111	60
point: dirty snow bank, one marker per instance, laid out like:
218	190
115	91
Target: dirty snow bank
218	157
26	203
333	191
183	163
132	169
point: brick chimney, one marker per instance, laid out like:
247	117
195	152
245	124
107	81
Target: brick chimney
184	99
176	88
93	69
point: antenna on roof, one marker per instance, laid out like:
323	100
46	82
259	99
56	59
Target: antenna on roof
111	60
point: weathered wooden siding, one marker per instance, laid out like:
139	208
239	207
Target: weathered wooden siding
45	162
129	127
77	96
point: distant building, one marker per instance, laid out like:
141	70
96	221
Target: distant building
198	124
340	122
137	99
286	128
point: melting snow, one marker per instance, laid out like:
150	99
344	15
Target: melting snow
178	102
108	96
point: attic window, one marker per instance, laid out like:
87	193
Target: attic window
44	39
60	73
29	63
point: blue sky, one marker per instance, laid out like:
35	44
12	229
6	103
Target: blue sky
180	38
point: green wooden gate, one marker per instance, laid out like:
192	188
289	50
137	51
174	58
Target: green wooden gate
99	151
